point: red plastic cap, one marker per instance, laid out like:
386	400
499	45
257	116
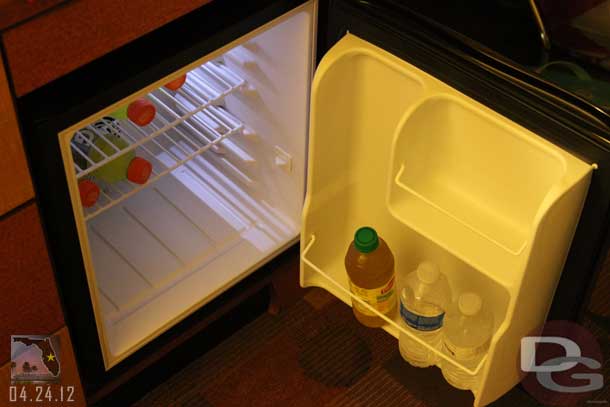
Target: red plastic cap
176	83
141	112
89	192
139	170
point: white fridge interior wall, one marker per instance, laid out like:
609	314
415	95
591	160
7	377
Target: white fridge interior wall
225	195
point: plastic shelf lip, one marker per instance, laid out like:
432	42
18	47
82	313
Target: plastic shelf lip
400	184
389	321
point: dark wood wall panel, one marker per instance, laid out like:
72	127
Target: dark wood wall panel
599	303
15	11
15	183
73	34
29	303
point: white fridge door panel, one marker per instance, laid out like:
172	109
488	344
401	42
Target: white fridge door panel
443	178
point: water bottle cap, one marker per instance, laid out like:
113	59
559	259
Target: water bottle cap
427	272
119	114
366	239
469	304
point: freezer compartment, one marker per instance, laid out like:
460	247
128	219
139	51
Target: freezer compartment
441	178
226	150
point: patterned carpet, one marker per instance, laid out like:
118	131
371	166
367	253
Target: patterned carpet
315	354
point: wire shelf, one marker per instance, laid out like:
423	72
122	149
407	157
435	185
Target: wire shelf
206	86
188	122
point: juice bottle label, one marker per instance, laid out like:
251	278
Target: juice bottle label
420	322
381	298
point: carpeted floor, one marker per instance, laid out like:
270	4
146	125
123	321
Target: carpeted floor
316	354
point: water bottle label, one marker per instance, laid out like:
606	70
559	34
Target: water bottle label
382	299
420	322
462	353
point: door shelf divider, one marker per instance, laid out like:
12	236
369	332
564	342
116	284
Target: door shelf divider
393	326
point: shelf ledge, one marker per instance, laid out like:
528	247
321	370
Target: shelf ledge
400	184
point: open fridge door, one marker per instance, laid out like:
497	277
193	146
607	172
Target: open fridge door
441	177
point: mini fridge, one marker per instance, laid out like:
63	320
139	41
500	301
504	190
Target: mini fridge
300	120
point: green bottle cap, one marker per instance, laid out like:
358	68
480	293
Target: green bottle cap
366	239
120	113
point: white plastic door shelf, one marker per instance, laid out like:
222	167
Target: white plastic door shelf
442	178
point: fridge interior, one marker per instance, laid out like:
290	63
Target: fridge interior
441	178
227	153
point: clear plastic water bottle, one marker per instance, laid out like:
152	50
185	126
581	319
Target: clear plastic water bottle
467	334
424	296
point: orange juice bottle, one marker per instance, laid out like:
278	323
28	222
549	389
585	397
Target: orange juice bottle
370	266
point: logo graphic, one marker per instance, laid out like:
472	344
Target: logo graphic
562	364
35	359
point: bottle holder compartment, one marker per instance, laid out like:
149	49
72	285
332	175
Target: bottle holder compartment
323	254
